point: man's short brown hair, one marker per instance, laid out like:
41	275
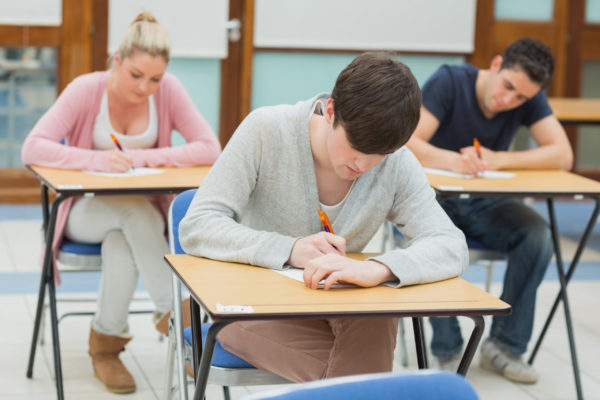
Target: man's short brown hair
377	101
532	57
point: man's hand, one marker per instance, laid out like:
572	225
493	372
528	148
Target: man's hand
337	268
316	245
468	161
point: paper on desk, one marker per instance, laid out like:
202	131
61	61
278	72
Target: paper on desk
485	174
138	171
296	274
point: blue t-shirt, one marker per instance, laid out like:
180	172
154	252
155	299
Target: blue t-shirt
450	95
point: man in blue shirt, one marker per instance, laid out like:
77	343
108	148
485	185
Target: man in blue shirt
463	103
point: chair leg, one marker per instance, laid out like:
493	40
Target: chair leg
226	393
489	276
168	390
402	343
177	337
42	328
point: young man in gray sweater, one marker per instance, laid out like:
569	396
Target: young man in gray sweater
342	153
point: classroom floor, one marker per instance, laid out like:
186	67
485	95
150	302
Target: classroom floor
20	246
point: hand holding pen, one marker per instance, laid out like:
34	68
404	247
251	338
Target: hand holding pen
470	160
316	245
120	161
477	146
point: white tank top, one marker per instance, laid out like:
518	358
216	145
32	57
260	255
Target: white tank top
103	128
333	211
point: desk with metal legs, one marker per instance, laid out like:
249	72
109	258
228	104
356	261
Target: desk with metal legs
547	184
232	292
68	183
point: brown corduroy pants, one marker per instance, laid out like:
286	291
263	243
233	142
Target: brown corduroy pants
306	350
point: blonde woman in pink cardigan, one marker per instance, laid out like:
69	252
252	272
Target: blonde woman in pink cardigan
141	104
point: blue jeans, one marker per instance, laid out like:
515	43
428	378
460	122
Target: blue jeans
506	225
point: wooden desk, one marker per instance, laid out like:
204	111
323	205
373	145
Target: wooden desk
546	184
272	296
67	184
576	110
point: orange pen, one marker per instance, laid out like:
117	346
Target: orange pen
325	221
477	147
114	139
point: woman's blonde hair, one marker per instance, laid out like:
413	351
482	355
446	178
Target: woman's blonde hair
145	34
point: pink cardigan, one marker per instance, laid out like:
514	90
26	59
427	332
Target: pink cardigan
72	118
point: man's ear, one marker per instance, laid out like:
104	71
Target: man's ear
496	63
328	113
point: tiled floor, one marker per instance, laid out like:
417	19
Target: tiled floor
146	354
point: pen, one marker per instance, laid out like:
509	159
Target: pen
477	147
326	224
114	139
325	221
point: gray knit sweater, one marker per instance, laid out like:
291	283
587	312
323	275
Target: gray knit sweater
261	196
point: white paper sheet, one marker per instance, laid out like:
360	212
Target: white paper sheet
139	171
485	174
296	274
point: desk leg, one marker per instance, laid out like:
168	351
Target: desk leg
48	279
420	342
206	359
586	234
471	348
42	289
563	290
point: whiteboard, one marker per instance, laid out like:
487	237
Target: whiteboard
197	28
31	12
444	26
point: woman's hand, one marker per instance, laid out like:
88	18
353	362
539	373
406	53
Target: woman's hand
120	161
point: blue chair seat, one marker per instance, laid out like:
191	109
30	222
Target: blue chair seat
221	357
79	256
475	244
80	248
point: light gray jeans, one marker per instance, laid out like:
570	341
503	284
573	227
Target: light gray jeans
131	231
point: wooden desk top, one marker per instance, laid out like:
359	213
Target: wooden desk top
525	183
274	296
576	110
173	180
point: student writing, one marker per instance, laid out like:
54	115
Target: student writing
344	155
138	101
462	107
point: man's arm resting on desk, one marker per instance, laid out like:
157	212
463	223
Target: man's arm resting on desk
553	151
434	157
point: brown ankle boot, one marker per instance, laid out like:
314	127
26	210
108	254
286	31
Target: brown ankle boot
104	350
162	325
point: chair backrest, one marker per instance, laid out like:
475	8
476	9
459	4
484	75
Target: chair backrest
421	385
177	211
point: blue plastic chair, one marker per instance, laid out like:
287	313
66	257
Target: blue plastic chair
226	369
81	257
419	385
